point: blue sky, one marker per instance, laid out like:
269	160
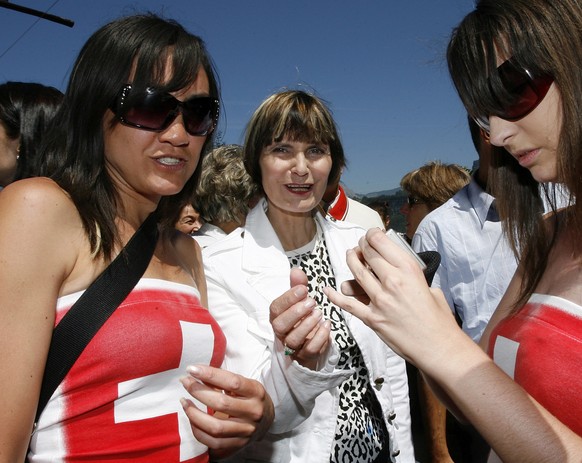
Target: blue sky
380	64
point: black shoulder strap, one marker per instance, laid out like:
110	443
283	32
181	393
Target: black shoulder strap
96	304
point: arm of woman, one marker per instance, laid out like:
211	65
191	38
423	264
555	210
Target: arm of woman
37	255
416	322
254	352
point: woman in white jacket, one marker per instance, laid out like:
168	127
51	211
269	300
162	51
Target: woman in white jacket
340	394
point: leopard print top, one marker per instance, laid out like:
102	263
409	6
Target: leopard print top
360	430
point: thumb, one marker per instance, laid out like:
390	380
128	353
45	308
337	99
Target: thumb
298	277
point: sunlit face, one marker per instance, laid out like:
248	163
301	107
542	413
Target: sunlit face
414	214
8	157
189	221
295	175
154	164
533	139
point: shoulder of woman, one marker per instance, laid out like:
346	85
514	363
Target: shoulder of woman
187	247
39	200
31	188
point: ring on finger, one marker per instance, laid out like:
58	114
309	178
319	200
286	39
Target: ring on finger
288	350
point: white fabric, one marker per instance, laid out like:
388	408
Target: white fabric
476	260
363	215
245	272
208	234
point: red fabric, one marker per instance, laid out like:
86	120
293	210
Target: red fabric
548	360
120	401
339	208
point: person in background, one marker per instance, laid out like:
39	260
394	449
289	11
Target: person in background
26	109
477	264
515	65
189	221
338	205
383	209
339	393
427	188
224	194
140	108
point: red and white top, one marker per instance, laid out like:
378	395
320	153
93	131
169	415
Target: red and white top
541	348
121	399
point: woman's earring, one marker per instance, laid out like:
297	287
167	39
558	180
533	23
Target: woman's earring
18	153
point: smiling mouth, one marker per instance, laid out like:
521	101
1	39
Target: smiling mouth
300	188
169	161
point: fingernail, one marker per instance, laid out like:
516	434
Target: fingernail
193	370
309	303
184	403
299	291
317	313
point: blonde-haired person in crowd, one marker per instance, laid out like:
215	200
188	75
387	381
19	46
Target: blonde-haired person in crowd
224	195
427	188
340	395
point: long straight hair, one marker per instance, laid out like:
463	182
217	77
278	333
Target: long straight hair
545	37
140	45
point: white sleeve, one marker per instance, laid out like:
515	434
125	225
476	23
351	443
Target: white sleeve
244	318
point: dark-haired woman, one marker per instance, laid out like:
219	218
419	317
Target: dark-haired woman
26	108
139	110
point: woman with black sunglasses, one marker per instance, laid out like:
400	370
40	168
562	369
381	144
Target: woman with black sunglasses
139	110
516	66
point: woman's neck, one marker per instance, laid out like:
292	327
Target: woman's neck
293	229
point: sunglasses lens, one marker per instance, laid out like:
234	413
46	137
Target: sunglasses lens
149	110
155	110
517	94
523	92
200	114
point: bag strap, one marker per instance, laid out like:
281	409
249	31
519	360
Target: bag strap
96	304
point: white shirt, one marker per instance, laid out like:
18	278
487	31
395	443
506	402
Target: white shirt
208	234
245	272
476	260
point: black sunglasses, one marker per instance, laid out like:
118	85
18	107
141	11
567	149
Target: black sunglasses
154	110
522	93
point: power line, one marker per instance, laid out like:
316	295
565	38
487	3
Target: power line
39	14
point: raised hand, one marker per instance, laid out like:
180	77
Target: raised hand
399	306
298	324
240	410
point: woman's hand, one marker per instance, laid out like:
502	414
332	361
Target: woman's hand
410	317
298	324
240	410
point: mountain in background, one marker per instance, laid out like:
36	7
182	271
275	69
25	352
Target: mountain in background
374	194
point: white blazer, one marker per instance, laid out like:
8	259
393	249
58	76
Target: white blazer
245	272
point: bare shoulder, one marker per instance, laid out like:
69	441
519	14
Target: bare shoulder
40	221
189	255
188	251
38	199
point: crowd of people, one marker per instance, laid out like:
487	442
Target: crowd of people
247	309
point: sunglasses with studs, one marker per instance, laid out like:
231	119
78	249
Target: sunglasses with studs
154	110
